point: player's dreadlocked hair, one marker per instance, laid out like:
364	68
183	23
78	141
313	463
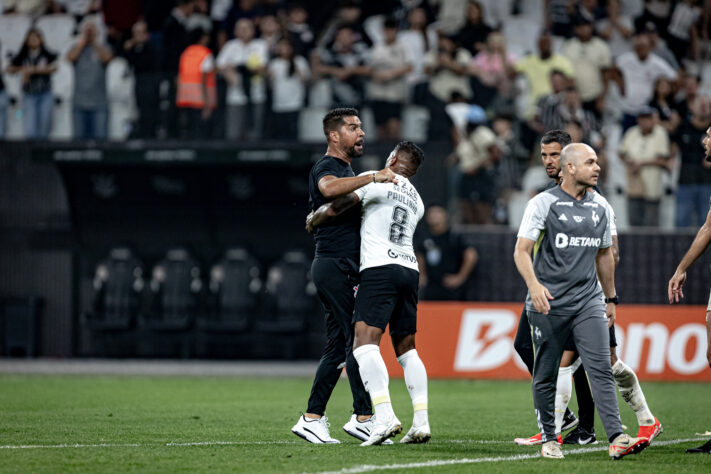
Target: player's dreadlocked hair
415	152
556	136
334	118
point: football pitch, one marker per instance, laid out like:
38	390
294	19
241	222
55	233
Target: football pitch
229	424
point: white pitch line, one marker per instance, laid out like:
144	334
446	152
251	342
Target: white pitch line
145	445
450	462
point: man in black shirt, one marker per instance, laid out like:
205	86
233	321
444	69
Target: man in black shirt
444	259
335	273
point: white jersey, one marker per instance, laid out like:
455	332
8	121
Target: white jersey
389	217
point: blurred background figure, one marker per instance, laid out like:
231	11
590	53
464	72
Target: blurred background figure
36	64
444	258
143	58
289	75
197	92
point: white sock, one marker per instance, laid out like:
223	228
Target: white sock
375	378
630	390
416	381
563	390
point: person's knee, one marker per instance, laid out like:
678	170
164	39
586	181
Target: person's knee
403	344
365	334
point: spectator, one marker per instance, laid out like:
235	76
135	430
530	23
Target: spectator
570	109
638	71
690	89
695	174
493	69
348	15
475	32
616	29
243	62
270	31
478	155
592	59
445	260
656	11
659	47
662	103
90	57
458	112
36	64
77	8
645	151
390	63
682	30
346	64
289	75
298	30
547	106
419	39
448	70
142	57
119	17
34	8
537	69
451	15
197	93
514	157
241	10
200	18
557	17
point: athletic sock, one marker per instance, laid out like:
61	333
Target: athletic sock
563	390
632	393
416	381
586	406
375	378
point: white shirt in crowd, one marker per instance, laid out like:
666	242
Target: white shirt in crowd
253	54
639	77
389	216
288	92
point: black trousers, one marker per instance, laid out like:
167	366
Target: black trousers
524	347
335	280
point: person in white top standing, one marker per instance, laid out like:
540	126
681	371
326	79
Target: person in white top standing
388	290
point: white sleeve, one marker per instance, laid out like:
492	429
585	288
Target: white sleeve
534	219
225	58
613	221
208	64
363	190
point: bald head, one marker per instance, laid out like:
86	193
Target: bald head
574	154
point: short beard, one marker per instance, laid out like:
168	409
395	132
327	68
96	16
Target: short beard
351	152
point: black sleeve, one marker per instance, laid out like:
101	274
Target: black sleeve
326	168
18	60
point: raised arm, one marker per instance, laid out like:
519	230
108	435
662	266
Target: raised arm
605	263
698	246
524	264
329	211
332	187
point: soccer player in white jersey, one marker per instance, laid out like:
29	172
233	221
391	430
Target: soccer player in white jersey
388	291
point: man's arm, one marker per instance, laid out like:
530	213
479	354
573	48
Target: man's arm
605	262
698	246
615	250
524	264
422	267
332	187
469	259
329	211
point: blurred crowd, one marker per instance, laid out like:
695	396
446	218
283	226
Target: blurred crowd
630	77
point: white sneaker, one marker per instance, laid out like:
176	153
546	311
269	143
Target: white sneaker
417	434
551	450
361	429
383	430
314	431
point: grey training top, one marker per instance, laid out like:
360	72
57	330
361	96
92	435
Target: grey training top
568	234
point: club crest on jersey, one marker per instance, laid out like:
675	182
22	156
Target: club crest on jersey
355	291
595	218
578	219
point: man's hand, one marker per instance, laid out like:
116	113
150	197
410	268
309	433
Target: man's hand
675	289
385	175
610	313
309	228
540	296
452	282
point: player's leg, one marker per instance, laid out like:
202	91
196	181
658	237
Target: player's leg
564	389
706	447
548	334
584	433
403	326
312	425
593	342
523	343
631	391
375	303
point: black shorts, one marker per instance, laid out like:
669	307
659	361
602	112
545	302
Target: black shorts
388	294
384	111
570	343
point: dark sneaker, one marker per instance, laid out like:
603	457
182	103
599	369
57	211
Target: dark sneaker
704	448
580	436
569	420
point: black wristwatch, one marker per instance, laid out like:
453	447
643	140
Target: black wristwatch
614	300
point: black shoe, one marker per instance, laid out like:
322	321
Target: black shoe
704	448
569	420
580	436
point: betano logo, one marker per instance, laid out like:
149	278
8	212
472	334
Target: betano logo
486	343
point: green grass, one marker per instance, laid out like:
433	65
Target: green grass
154	411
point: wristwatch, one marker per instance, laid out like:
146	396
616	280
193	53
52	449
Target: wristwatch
614	300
